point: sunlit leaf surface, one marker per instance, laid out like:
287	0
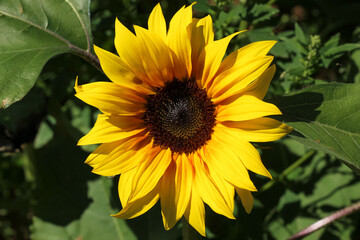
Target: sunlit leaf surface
326	117
31	33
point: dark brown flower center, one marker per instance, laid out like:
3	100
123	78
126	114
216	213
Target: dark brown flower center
180	116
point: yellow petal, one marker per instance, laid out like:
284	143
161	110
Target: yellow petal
214	194
260	86
246	54
210	59
245	108
156	22
150	172
195	212
239	69
230	166
246	152
256	88
106	151
118	72
127	94
260	129
125	180
178	40
110	129
140	206
227	189
110	98
175	190
236	78
202	34
247	199
128	48
159	69
122	159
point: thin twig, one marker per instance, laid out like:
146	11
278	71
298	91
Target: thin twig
325	221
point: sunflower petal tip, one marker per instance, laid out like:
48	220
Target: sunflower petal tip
117	215
272	42
80	142
248	210
78	88
95	48
76	83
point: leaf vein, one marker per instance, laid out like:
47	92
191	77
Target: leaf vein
33	49
82	24
340	145
54	34
346	117
322	125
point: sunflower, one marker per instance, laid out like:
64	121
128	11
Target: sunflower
177	119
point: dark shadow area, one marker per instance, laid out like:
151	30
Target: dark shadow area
299	107
150	226
221	226
20	121
290	211
61	179
114	196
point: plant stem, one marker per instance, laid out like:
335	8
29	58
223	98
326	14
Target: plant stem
288	170
189	233
327	220
88	56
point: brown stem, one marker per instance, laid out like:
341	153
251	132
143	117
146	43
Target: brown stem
88	56
327	220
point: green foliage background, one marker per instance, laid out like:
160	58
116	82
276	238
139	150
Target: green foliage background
47	192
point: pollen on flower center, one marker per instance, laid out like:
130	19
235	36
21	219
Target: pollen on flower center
180	116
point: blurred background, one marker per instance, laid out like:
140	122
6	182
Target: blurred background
47	192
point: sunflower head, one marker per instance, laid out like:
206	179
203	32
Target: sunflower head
180	116
177	119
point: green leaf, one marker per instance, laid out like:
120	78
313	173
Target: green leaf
292	45
347	47
262	12
326	117
300	35
330	44
45	132
261	34
201	6
32	32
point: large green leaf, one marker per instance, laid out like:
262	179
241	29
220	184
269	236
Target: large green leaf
326	117
31	33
